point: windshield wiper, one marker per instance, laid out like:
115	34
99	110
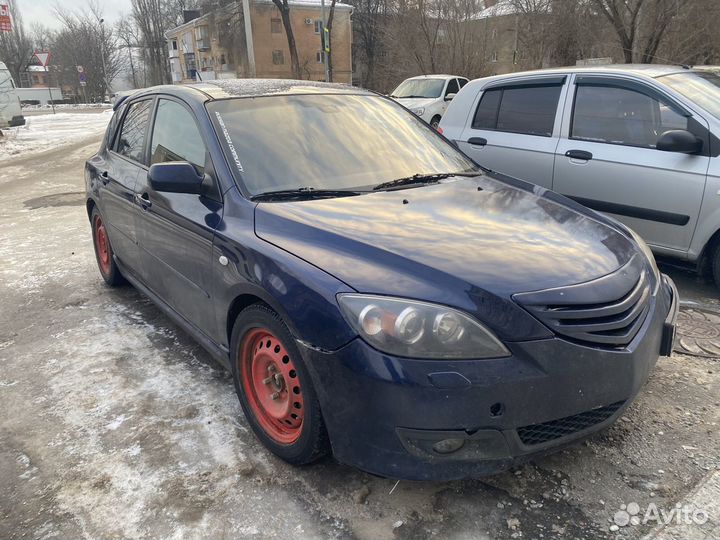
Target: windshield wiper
431	178
303	193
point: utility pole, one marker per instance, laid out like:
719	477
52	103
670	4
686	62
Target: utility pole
324	35
102	58
249	38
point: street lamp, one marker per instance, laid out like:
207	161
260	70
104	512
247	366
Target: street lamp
102	58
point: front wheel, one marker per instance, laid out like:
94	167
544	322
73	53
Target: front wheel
435	122
715	264
274	387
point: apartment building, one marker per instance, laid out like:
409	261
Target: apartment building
216	45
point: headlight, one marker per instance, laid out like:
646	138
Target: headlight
418	329
419	111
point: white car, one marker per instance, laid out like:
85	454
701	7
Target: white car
428	95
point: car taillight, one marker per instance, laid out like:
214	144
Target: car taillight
439	130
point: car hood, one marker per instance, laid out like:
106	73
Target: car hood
447	242
414	103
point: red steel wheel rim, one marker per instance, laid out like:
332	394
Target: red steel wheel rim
102	246
272	386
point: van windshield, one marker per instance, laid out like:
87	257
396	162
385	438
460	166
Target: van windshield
701	87
328	142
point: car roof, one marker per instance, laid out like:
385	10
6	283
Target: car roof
436	76
648	70
229	88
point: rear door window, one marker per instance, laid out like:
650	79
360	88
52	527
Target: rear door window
528	110
131	142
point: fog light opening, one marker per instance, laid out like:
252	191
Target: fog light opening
448	446
497	409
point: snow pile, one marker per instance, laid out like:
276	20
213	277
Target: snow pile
47	131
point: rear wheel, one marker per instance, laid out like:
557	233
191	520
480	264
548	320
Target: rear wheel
103	251
435	122
274	387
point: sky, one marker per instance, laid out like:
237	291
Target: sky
42	11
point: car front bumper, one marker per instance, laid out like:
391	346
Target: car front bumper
386	415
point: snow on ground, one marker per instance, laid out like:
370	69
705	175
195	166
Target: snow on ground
47	131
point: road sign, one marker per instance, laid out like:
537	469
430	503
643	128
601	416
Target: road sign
82	77
82	83
5	20
80	69
43	57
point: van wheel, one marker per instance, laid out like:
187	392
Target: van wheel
109	269
274	387
435	122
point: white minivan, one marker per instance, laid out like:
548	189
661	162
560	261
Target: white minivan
641	143
10	111
428	95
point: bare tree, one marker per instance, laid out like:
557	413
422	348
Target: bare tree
328	45
83	41
640	25
284	8
151	19
15	47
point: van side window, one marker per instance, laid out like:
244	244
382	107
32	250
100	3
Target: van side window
616	115
131	142
529	110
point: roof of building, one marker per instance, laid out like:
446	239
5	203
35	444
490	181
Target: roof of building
236	5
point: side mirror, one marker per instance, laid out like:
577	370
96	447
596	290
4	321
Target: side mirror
175	177
679	140
450	97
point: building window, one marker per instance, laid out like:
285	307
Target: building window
174	45
493	56
320	57
278	58
318	26
276	26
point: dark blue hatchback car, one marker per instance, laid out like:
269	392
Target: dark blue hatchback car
373	291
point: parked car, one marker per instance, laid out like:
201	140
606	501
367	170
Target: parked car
373	292
637	142
10	111
428	95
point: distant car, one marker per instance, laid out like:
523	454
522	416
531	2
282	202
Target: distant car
428	95
10	111
373	292
638	142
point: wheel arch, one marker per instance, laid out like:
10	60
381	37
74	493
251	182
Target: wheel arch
254	295
90	205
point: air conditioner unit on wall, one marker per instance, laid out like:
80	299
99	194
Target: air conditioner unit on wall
308	21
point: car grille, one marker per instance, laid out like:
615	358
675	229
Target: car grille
607	312
549	431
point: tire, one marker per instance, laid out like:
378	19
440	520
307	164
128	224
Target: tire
435	122
274	387
103	251
715	264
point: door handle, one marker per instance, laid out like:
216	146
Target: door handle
104	178
477	141
579	154
143	200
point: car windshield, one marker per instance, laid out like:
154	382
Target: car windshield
419	88
702	88
328	142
